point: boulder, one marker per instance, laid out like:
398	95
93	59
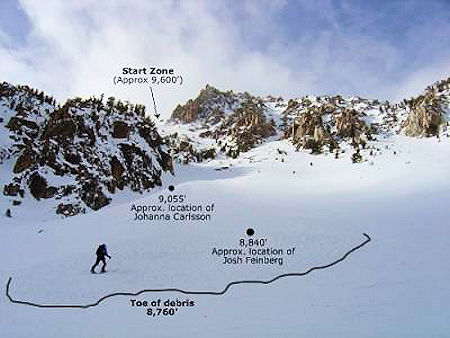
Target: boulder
68	209
25	161
423	121
120	130
38	186
11	189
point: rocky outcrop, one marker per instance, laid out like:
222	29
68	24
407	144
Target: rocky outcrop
60	125
308	132
187	113
423	121
39	188
236	121
68	209
328	126
245	128
210	106
92	195
428	112
350	124
184	150
97	148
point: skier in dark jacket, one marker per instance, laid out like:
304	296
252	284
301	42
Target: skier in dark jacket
101	253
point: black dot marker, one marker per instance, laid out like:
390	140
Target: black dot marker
171	188
250	232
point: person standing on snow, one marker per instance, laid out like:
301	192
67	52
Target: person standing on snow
101	253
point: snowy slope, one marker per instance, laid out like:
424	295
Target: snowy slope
311	173
396	286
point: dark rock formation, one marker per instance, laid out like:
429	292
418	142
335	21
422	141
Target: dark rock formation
98	148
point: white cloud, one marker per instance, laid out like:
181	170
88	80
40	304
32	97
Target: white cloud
75	48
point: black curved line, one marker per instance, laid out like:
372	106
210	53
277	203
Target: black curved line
213	293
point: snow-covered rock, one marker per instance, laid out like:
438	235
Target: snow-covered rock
78	154
233	123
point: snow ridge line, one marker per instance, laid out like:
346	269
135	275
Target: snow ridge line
213	293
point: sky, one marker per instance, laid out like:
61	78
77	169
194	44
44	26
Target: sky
386	49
